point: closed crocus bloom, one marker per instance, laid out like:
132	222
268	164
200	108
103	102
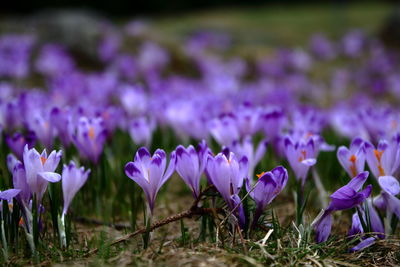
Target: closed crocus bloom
150	172
17	142
61	119
246	148
73	178
141	130
41	125
90	137
40	169
346	197
268	186
385	159
353	159
227	174
190	165
301	156
19	182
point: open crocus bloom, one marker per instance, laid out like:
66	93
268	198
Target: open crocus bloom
40	169
301	156
150	172
90	137
385	159
353	159
346	197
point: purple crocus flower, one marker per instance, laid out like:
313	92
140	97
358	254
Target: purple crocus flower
61	119
385	159
301	156
246	148
190	165
73	178
150	172
226	173
90	137
17	142
353	159
141	130
346	197
224	130
269	185
390	189
40	169
20	182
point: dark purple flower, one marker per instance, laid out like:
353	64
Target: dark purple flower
268	186
150	172
353	159
346	197
17	143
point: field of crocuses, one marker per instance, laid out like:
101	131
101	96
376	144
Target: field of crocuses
144	152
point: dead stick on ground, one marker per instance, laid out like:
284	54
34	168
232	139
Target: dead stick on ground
194	210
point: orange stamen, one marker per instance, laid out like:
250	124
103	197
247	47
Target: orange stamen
43	160
353	168
91	133
260	175
378	155
303	155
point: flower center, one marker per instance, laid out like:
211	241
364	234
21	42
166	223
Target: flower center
303	155
260	175
353	168
378	155
43	160
91	132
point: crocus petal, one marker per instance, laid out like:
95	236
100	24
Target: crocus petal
309	162
389	184
9	194
357	182
364	244
323	227
51	177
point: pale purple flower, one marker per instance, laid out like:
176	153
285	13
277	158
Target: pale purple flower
190	165
73	178
353	159
141	130
40	169
90	137
253	154
385	159
150	172
301	155
224	130
227	174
